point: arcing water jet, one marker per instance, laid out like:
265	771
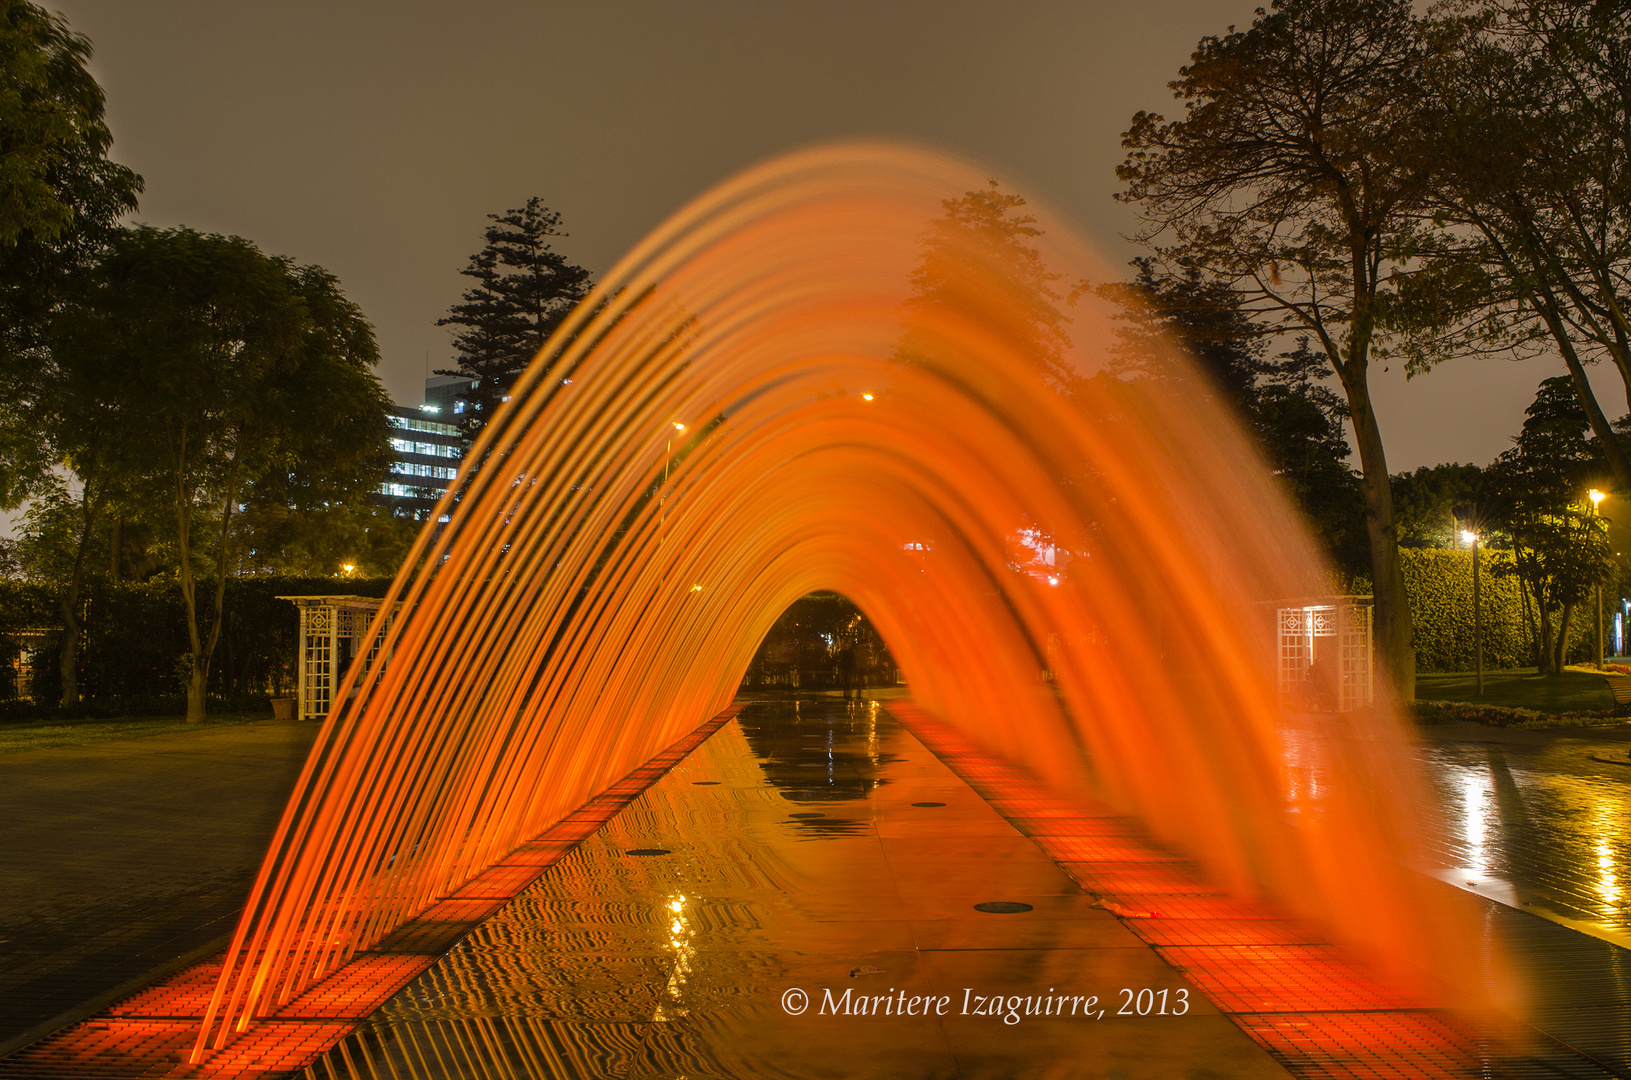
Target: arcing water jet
850	369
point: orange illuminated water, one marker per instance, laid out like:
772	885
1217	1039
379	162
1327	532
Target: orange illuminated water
833	372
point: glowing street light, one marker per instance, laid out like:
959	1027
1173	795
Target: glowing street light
1597	498
1477	610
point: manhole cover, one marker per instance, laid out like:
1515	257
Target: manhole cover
1001	907
806	815
704	783
928	804
648	851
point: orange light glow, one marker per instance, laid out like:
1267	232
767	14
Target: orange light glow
551	638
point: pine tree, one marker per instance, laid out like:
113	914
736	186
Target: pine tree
524	290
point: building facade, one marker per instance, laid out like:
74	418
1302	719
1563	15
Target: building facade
442	394
426	459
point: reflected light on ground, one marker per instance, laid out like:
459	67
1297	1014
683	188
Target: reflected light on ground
1474	825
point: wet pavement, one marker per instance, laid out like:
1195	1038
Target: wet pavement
823	850
1539	820
123	859
1538	823
787	903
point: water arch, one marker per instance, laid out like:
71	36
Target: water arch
850	369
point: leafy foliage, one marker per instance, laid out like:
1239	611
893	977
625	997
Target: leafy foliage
524	289
1283	400
1289	179
60	200
1433	504
219	377
1537	491
1529	182
134	634
976	263
1440	584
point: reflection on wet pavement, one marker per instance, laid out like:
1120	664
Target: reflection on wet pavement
1538	820
818	851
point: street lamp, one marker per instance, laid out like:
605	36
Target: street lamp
1477	610
1596	502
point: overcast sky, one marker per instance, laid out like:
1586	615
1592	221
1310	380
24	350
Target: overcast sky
372	138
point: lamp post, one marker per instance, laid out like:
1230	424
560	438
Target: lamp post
1477	610
1596	503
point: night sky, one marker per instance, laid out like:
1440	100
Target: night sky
372	138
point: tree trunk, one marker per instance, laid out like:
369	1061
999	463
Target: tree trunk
204	647
197	684
1561	658
68	648
1606	438
1546	654
1395	639
68	604
1528	615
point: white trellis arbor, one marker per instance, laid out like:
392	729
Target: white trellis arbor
1325	656
331	633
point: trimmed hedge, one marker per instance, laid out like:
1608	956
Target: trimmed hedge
135	634
1439	584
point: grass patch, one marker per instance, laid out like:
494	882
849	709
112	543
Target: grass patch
18	736
1520	688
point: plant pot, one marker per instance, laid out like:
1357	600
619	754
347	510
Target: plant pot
283	708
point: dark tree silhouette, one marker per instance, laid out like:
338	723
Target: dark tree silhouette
524	289
1289	178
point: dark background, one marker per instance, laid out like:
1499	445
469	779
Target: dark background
372	138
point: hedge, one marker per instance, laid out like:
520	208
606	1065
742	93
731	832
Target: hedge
135	635
1439	584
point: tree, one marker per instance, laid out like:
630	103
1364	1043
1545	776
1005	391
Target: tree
60	199
321	541
978	254
1296	419
1530	105
1538	495
230	378
58	538
1287	179
524	290
1430	503
55	179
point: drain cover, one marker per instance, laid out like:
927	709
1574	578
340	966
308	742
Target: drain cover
648	851
704	783
806	815
1002	907
928	804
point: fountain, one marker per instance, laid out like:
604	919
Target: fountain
858	368
852	369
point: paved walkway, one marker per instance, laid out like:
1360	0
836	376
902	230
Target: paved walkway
1539	825
791	867
1538	820
123	857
